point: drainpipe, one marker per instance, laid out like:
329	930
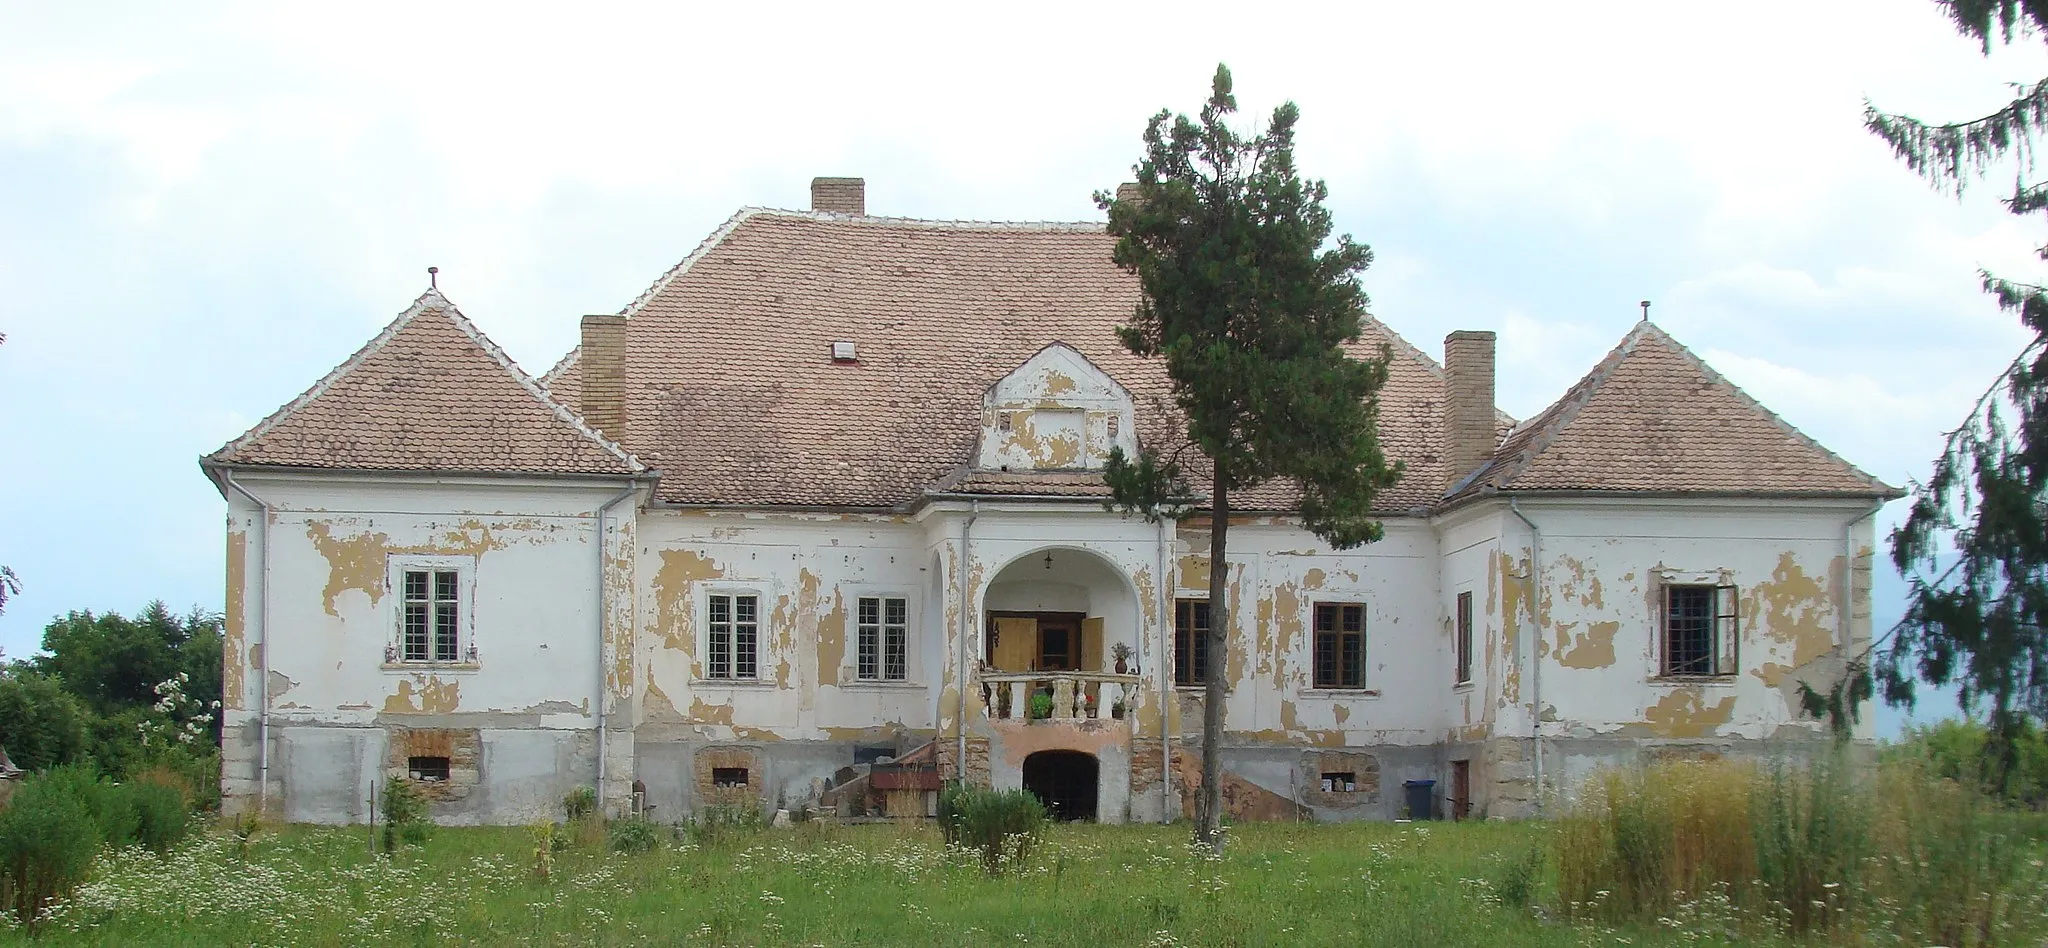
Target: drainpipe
1167	586
603	655
263	625
1535	647
966	623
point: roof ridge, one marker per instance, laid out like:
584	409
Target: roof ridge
711	240
562	412
368	349
429	300
1544	426
562	365
1647	327
937	223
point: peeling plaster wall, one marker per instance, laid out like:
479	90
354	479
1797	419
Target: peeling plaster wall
807	713
525	551
1278	573
1595	622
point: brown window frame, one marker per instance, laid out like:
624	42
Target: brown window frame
1462	646
1334	662
1711	625
1191	627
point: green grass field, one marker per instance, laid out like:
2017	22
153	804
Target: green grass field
816	884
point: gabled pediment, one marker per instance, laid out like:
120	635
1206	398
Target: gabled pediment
1057	411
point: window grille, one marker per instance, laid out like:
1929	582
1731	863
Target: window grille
1339	658
733	637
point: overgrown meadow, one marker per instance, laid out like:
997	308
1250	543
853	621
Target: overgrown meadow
822	884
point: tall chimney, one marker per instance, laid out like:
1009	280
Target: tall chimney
1129	191
602	362
840	195
1468	401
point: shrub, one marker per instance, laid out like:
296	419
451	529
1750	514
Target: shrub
730	813
162	817
1004	826
545	837
1041	705
634	836
579	803
1516	882
47	843
41	724
405	814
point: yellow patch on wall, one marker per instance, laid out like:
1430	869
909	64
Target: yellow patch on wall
672	581
424	695
1685	713
233	625
1593	649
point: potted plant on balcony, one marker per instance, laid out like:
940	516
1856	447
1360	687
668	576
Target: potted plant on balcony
1116	708
1041	706
1121	654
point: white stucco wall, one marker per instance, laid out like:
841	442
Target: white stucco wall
529	569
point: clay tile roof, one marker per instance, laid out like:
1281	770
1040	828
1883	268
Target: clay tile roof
564	382
1653	417
732	394
429	393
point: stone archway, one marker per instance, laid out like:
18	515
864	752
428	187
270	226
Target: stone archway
1066	781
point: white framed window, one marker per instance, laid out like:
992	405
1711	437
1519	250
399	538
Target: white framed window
1699	625
732	635
882	647
433	619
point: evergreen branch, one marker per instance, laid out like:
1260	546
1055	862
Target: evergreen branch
1948	155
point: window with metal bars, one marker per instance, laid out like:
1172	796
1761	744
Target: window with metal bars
1339	657
431	615
1190	641
884	651
1464	638
1701	630
733	636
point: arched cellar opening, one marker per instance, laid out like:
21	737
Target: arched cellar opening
1065	781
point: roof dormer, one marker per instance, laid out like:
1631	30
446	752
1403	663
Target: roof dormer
1056	412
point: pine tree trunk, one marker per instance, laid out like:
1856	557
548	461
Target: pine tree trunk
1209	804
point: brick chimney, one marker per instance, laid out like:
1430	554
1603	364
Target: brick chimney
840	195
1128	191
602	362
1468	401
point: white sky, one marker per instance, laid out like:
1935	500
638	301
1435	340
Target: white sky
204	208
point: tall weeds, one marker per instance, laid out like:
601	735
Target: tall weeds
1825	850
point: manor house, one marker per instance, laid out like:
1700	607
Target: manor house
817	520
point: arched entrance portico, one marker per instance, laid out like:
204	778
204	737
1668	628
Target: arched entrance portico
1058	609
1066	781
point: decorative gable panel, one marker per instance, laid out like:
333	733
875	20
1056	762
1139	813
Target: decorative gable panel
1055	412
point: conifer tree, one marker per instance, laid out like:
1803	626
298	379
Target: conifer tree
1251	306
1982	622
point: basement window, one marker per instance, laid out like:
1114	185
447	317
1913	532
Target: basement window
1340	782
1701	631
427	769
728	776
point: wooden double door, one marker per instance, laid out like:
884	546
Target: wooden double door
1044	641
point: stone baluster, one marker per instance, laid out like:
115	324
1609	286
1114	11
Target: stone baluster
1018	706
1063	697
